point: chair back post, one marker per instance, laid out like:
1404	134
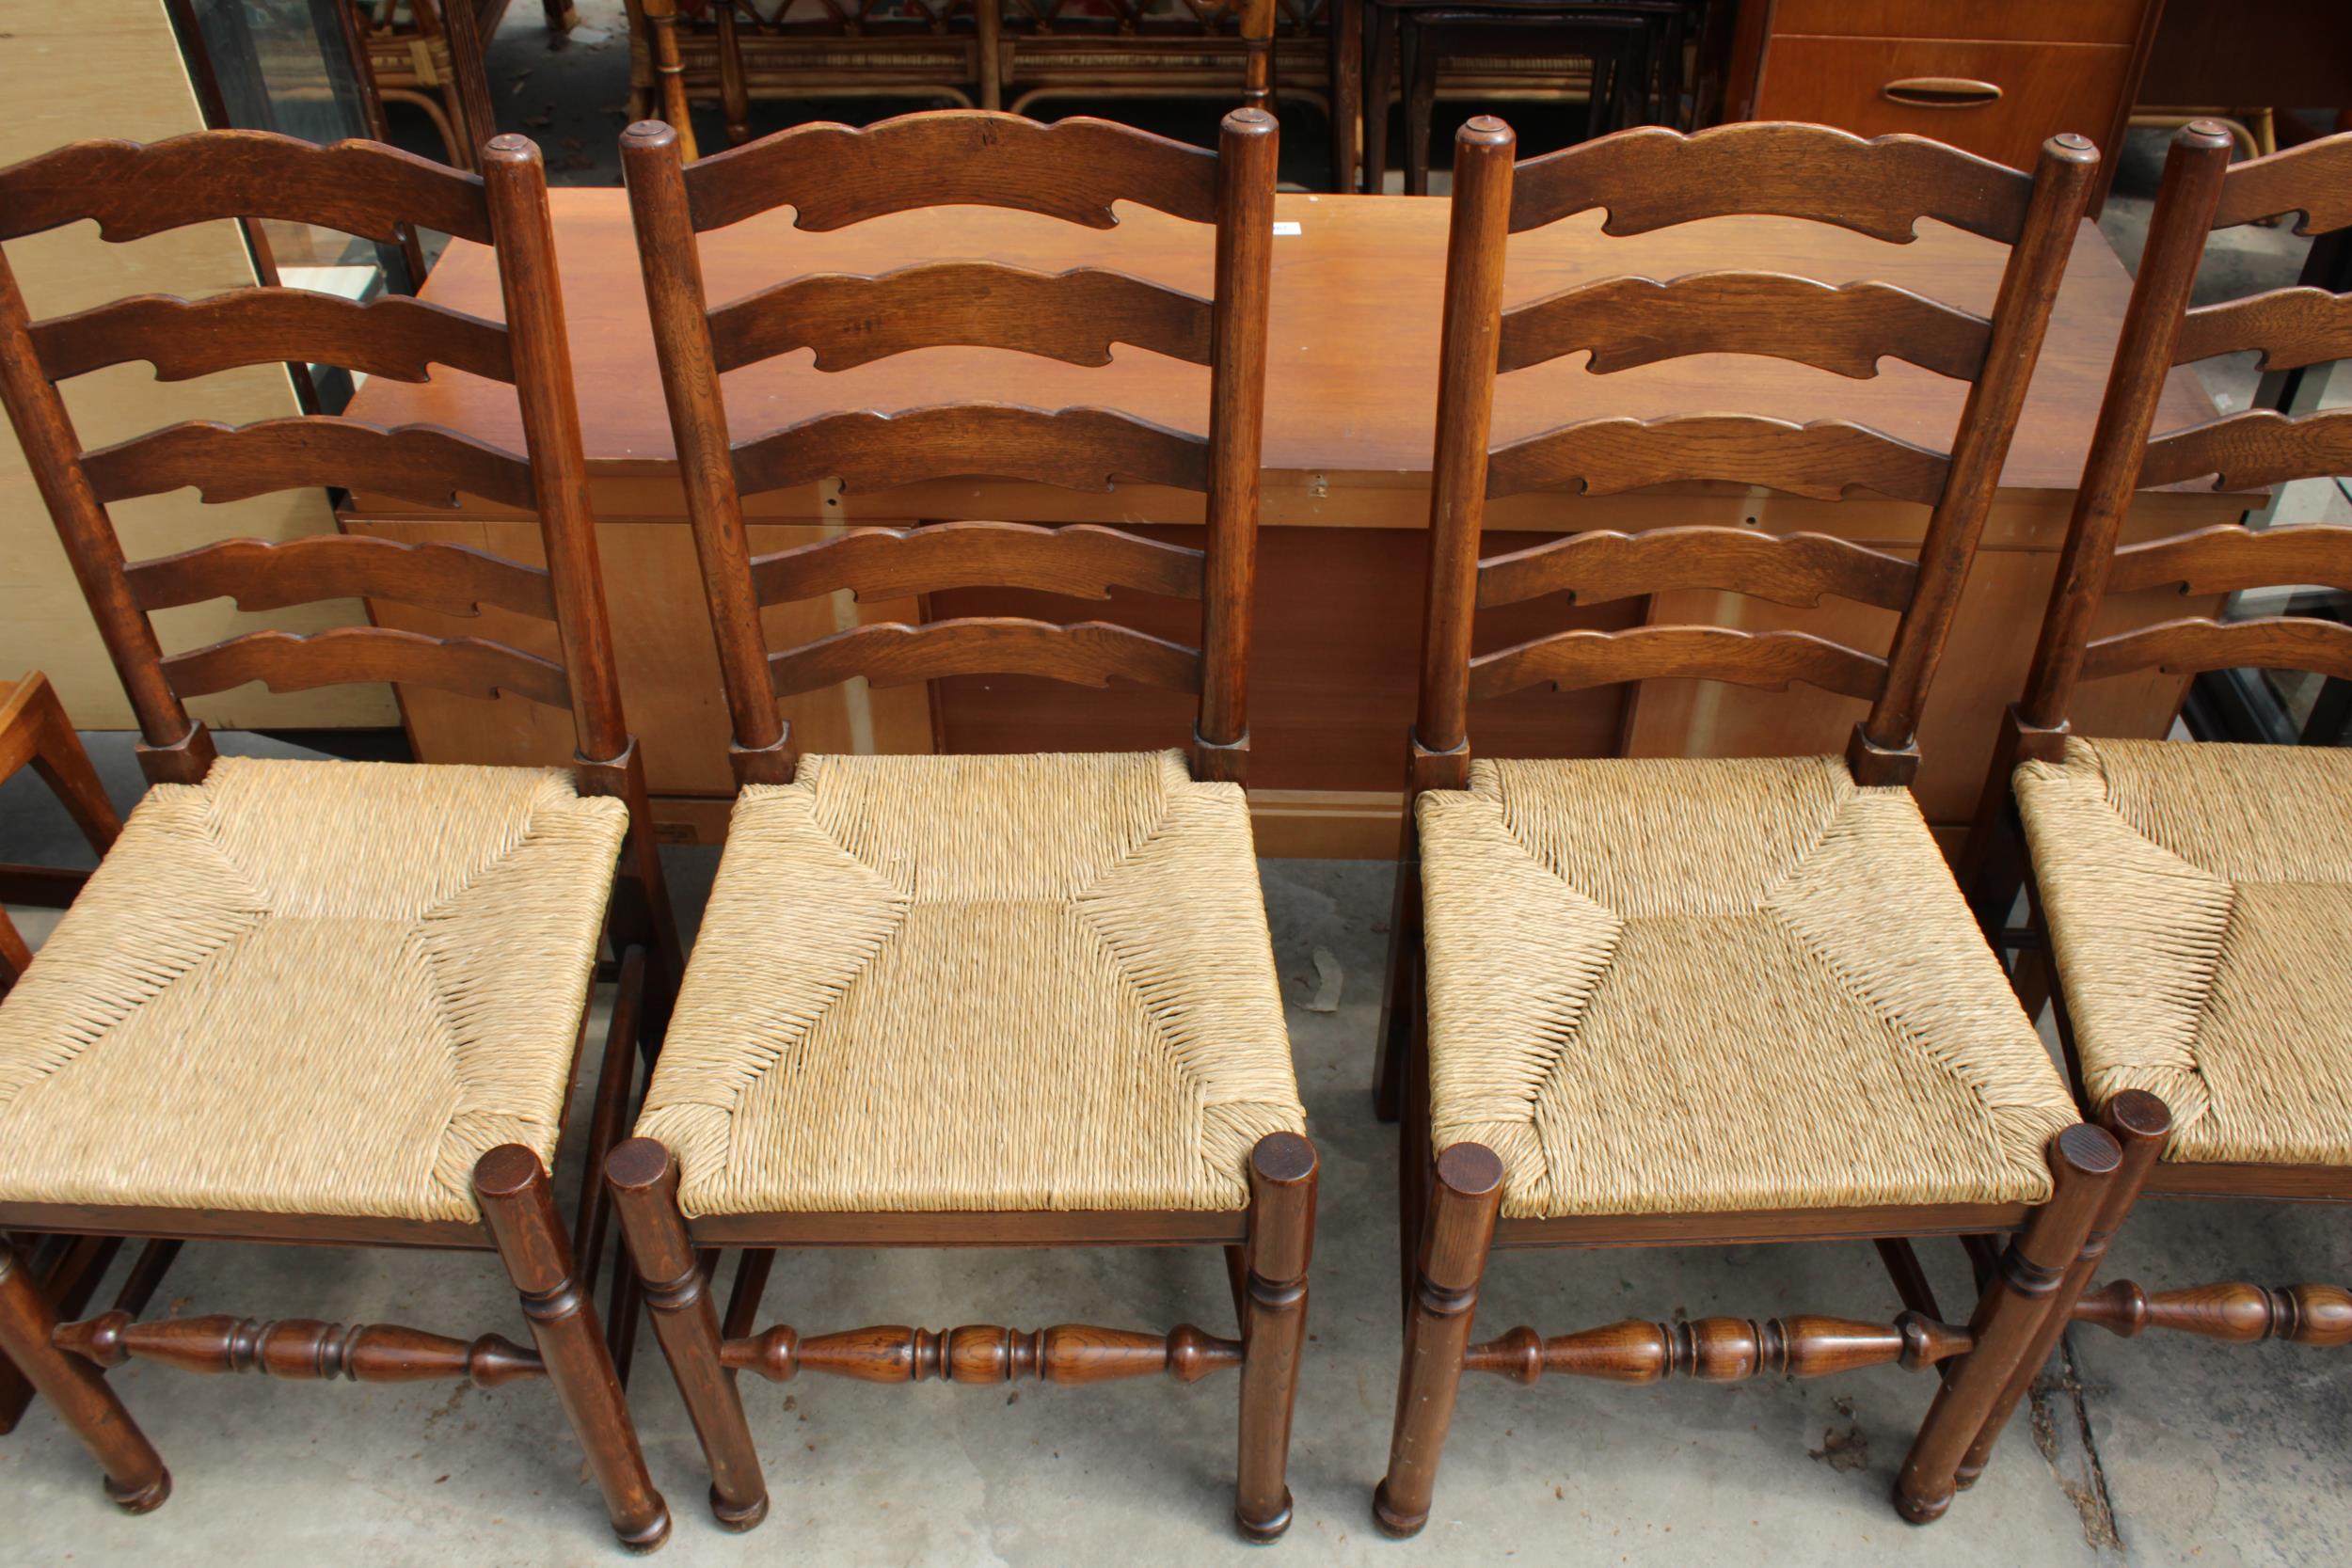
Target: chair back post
52	452
1883	749
514	181
2185	203
1475	241
1248	149
653	165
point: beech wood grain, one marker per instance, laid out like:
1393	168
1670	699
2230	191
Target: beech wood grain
1075	449
1846	328
2190	645
1651	178
889	654
1082	561
228	463
260	574
1825	460
2230	557
286	662
2314	180
1073	316
135	189
1791	569
2291	327
833	176
2248	451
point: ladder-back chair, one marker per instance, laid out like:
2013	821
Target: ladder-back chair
2194	898
958	1000
1702	1000
326	1002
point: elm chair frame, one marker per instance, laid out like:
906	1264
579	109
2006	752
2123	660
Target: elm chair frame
1075	170
1649	179
368	190
2293	328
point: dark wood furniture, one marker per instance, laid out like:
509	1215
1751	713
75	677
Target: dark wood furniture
1546	966
1342	501
321	860
962	862
428	53
1996	77
2144	851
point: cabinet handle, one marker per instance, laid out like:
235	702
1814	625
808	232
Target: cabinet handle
1941	92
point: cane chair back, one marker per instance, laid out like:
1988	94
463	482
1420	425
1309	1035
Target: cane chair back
368	190
2291	327
834	176
1651	179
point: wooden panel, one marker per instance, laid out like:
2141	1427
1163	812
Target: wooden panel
2026	21
669	667
115	69
2045	89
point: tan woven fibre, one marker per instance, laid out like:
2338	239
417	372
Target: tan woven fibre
1675	987
2200	903
310	988
979	983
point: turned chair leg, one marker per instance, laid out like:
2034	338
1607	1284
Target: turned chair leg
2140	1123
518	1207
2023	1291
1274	1326
1454	1242
643	1178
135	1477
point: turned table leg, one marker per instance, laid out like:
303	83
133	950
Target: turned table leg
511	1186
1274	1326
1454	1240
135	1477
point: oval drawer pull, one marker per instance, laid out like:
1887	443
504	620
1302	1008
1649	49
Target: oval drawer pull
1942	92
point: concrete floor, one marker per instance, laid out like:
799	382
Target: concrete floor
2162	1450
2157	1451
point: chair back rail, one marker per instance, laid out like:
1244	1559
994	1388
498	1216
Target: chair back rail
1074	316
362	189
394	337
1083	560
1846	328
1654	178
833	176
2200	192
1075	170
1648	179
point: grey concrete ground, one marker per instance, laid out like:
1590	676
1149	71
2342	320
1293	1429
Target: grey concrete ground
2151	1452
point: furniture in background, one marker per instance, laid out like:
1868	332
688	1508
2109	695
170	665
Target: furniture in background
1996	77
2187	901
1667	1000
337	1003
428	53
975	1001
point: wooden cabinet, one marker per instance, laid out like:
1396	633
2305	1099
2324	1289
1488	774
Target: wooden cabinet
1997	77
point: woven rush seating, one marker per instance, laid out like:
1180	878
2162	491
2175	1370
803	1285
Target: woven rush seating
2199	900
979	983
314	988
1671	985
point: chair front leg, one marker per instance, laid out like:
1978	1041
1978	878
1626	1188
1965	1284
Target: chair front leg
135	1477
1274	1326
643	1180
511	1186
2027	1288
1456	1237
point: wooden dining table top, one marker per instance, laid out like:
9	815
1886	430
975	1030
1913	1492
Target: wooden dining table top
1353	348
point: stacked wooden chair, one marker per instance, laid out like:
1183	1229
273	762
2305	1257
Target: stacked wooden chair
974	1001
2194	899
1697	1001
338	1004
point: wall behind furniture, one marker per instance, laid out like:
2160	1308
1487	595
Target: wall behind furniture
112	68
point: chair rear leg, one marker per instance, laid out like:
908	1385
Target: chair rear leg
1274	1326
2008	1317
135	1478
643	1178
511	1186
1454	1242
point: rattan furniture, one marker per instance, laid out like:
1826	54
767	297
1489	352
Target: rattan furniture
1689	1002
974	1001
330	1003
2195	898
